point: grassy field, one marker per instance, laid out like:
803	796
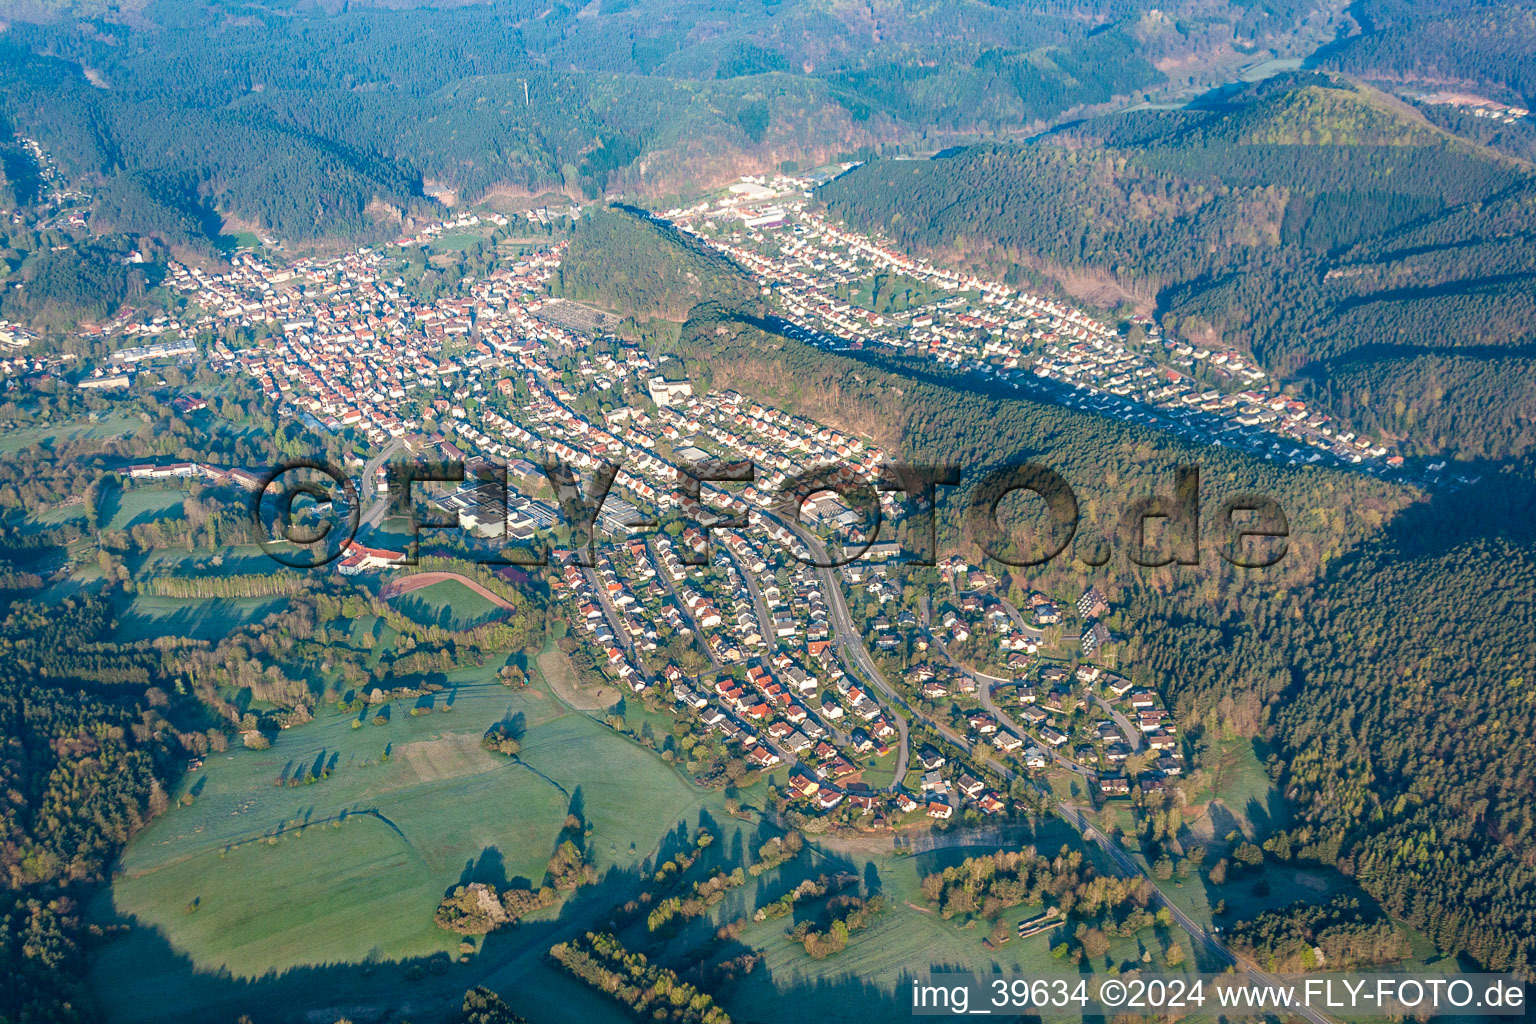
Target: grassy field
199	618
882	773
288	879
869	979
449	604
136	505
557	672
71	430
890	293
57	516
1239	795
230	560
457	242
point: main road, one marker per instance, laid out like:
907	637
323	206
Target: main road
380	504
849	641
842	623
1213	947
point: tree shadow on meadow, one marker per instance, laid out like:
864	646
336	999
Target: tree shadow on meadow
139	977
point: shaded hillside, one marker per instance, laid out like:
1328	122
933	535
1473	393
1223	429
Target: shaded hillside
1408	734
305	119
1302	220
60	289
1471	406
18	176
625	262
1517	139
932	416
1470	43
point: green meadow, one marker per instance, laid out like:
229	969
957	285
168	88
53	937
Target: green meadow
1238	795
457	242
211	618
69	430
448	603
131	506
265	872
262	888
870	978
229	560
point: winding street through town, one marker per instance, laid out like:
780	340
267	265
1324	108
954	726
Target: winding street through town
850	641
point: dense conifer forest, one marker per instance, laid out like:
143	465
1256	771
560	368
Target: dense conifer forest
313	122
623	261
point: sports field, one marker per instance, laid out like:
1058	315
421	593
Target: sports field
457	242
447	603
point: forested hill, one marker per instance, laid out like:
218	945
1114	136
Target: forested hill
1470	44
1386	661
623	261
932	418
1411	720
308	119
1306	219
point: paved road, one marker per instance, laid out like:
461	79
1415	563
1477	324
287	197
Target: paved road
1018	619
759	606
1132	733
666	582
616	622
984	680
850	646
375	504
765	625
849	643
1213	946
